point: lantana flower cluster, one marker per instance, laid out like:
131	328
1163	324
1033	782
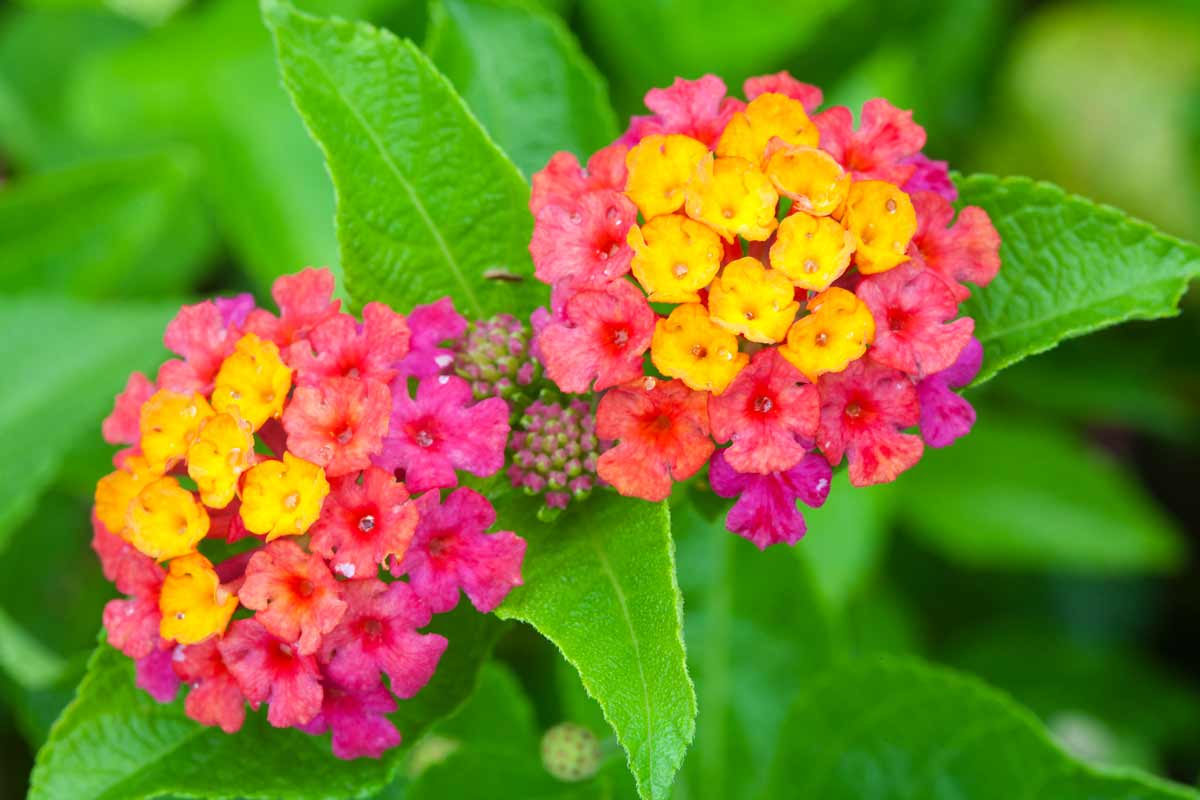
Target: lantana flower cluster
277	521
762	287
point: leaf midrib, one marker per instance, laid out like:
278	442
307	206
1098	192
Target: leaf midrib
418	205
620	595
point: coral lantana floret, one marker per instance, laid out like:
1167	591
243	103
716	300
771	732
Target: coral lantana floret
270	434
802	275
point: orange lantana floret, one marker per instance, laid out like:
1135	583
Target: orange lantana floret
674	258
812	252
165	520
836	331
688	345
753	301
193	603
734	198
283	498
882	219
254	380
660	168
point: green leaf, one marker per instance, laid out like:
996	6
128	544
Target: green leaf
845	540
486	765
1020	495
1070	267
42	51
643	45
118	228
893	729
600	584
427	205
1061	679
60	389
114	741
210	80
755	621
522	73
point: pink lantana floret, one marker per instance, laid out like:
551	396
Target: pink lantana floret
765	512
440	431
562	181
881	146
379	635
305	300
451	552
198	334
583	244
783	83
863	411
269	670
295	595
362	524
121	426
769	413
699	109
430	326
155	675
960	251
912	308
339	424
358	720
603	337
214	697
945	414
340	347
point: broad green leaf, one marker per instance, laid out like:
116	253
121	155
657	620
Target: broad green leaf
888	729
1122	378
600	584
845	540
1111	125
122	228
496	751
35	682
64	362
1070	267
643	45
756	625
522	73
209	80
42	51
1064	680
114	741
427	205
26	660
1021	495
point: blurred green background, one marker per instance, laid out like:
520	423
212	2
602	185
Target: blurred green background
148	155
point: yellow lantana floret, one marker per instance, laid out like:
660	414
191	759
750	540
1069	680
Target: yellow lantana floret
220	454
690	346
754	301
812	252
254	380
165	520
660	168
115	492
836	332
674	257
815	182
883	221
734	198
766	117
283	498
168	423
193	603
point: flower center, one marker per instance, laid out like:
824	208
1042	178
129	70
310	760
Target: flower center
854	410
423	438
366	523
345	436
763	404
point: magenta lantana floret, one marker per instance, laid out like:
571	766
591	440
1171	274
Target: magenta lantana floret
762	285
323	442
